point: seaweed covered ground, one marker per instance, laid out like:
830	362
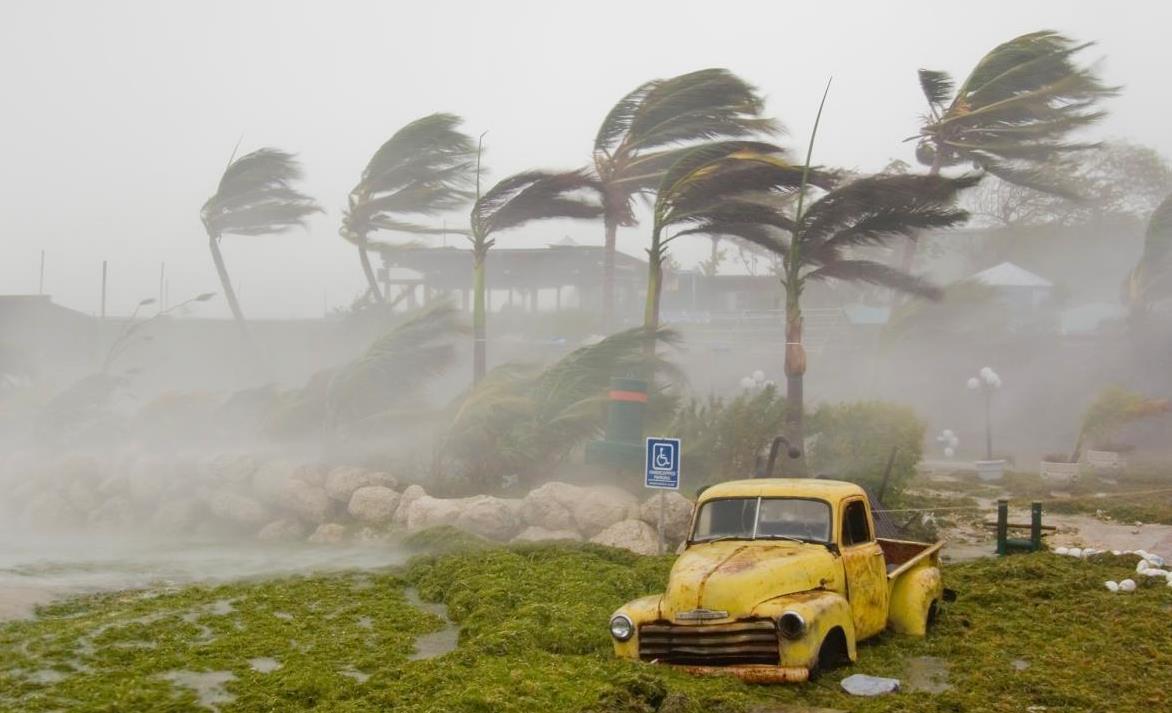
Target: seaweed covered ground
1030	630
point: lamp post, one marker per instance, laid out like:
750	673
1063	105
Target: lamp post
987	381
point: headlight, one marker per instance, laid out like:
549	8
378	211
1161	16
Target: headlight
621	628
791	625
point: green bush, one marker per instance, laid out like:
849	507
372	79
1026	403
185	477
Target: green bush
721	438
853	441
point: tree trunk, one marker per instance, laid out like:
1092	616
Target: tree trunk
795	372
608	282
654	288
226	283
371	280
479	319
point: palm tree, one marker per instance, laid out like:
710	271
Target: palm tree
1013	115
255	197
1151	279
425	168
650	128
817	244
709	183
511	203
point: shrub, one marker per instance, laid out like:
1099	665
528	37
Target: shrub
721	438
853	441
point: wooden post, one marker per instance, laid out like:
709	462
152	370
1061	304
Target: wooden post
103	312
1036	525
1002	526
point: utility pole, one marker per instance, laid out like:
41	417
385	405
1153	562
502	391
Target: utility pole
162	283
103	289
41	281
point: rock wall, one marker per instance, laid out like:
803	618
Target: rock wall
275	500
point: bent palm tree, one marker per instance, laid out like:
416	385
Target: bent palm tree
255	197
651	128
423	169
1151	279
709	184
511	203
1014	114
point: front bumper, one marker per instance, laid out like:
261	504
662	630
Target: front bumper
754	673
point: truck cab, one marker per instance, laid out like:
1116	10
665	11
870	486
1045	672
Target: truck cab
780	577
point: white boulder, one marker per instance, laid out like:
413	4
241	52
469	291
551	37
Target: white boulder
341	482
540	534
1112	587
1127	585
677	511
634	535
330	533
549	506
410	495
427	511
597	508
489	517
374	504
309	502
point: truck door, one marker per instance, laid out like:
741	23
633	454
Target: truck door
865	568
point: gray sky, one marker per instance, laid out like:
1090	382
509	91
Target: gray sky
118	117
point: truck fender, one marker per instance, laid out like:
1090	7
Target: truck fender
639	611
823	612
912	596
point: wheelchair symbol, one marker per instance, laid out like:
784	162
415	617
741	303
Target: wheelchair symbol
663	456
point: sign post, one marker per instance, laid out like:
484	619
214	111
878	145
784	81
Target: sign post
663	473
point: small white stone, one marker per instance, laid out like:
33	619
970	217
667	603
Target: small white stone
1112	586
1075	552
1089	552
1156	560
1116	552
1127	585
1153	572
1142	566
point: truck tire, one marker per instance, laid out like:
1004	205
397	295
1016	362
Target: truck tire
831	654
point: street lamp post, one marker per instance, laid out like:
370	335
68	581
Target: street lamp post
987	381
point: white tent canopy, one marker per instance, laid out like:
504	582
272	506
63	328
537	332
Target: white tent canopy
1009	275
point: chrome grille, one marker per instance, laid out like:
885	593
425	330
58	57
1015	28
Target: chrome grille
743	642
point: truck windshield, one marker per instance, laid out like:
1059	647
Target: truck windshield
763	519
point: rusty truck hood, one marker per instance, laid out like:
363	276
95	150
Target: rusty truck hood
734	576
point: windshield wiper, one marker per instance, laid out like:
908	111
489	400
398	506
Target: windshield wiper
720	538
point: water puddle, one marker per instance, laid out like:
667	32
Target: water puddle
928	674
429	646
264	664
208	686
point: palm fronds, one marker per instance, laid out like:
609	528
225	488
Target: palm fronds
395	366
256	196
425	168
1151	279
1015	112
534	195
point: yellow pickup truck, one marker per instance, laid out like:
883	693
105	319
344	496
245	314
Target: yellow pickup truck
779	579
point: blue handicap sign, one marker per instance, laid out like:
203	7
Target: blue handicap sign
663	463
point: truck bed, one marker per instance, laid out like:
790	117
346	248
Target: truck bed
902	555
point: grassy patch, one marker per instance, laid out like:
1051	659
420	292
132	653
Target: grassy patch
533	639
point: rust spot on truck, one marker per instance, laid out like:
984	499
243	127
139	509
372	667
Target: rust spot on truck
754	674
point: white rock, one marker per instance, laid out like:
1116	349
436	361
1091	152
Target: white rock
488	517
545	506
308	502
859	684
677	514
1155	560
410	495
427	511
344	480
1127	585
330	533
1112	586
540	534
1142	566
602	506
1089	552
286	529
373	504
237	508
1074	552
634	535
1062	551
1153	572
1116	552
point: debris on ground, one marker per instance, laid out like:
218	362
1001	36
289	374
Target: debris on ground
860	684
